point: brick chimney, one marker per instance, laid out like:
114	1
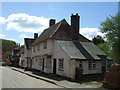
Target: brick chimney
75	25
35	35
51	22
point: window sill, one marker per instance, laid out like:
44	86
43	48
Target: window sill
91	68
60	69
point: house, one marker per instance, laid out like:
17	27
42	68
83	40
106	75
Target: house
60	49
27	51
14	58
22	59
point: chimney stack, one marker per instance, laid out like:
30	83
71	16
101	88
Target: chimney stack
35	35
51	22
75	25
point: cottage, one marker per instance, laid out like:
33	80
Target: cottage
21	59
60	49
27	51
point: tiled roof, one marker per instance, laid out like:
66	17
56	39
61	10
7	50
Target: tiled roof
59	31
28	42
81	50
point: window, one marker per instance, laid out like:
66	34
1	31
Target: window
80	65
38	47
91	65
61	64
45	45
34	49
40	61
32	60
36	59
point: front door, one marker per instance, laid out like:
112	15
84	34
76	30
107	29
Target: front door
43	65
54	66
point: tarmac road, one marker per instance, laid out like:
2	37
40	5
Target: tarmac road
14	79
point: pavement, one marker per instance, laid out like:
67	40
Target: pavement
62	83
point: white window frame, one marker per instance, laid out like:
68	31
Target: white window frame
38	47
81	64
60	64
91	64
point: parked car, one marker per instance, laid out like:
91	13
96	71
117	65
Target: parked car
2	63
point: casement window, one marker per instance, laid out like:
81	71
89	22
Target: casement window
38	47
91	65
36	59
61	63
34	49
32	60
40	61
80	65
45	44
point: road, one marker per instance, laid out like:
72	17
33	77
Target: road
14	79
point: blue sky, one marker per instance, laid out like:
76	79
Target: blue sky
15	28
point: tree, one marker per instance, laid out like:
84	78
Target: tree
7	46
111	28
98	40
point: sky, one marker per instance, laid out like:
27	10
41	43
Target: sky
21	20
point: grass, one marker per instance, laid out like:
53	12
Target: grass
96	83
96	80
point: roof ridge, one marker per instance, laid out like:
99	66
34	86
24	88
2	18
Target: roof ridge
60	23
56	29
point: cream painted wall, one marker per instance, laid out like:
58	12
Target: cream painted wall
49	50
56	51
36	64
59	53
98	68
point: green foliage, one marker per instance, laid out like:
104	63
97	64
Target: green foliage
106	48
8	45
22	46
111	28
98	40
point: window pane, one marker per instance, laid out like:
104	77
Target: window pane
61	64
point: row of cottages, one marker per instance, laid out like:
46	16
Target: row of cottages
60	49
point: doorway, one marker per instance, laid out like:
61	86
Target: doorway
54	66
43	65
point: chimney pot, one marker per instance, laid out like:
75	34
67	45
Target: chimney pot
35	35
51	22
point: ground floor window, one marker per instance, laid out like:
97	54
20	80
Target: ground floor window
32	60
40	61
91	65
61	61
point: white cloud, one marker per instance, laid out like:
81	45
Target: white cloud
25	23
90	32
24	36
2	35
12	39
2	20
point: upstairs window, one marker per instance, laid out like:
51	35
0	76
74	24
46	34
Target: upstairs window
38	47
45	45
34	49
